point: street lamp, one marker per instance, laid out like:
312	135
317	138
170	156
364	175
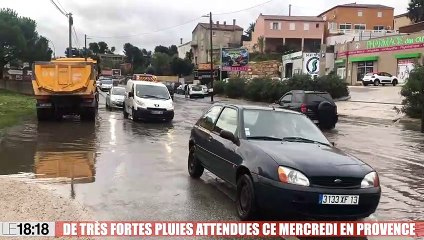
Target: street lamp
211	51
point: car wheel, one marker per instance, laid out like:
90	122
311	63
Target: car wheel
191	97
246	201
376	82
134	118
326	115
395	82
125	112
365	84
195	168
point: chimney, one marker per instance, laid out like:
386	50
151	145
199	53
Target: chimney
225	23
181	41
234	24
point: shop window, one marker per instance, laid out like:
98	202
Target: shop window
341	72
360	26
364	68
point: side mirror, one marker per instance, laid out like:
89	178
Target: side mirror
130	94
230	136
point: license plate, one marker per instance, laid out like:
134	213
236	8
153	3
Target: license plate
157	112
338	199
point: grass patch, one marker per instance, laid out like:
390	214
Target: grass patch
14	108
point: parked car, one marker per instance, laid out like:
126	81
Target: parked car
195	91
115	98
170	86
106	84
180	89
205	90
279	161
318	106
382	78
147	100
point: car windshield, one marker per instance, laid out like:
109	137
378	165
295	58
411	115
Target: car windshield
152	91
118	91
281	126
196	88
318	97
369	74
107	81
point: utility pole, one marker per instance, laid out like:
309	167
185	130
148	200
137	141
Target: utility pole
289	9
71	22
85	47
211	51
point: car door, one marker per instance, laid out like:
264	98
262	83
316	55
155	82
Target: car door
285	101
202	136
225	159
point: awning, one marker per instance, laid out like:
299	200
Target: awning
340	61
408	55
364	59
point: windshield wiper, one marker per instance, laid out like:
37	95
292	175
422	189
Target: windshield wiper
267	138
151	96
304	140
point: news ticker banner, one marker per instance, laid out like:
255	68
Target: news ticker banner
214	229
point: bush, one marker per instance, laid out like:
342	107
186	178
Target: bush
412	91
235	87
254	89
218	87
332	84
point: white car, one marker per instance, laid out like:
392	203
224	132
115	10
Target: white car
148	100
115	98
106	84
382	78
195	91
205	90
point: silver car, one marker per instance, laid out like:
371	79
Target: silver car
115	98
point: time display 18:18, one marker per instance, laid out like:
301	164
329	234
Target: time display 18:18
36	229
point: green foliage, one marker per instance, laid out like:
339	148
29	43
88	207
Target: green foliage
259	57
181	67
19	40
268	90
23	107
413	91
161	63
416	10
261	43
235	87
218	87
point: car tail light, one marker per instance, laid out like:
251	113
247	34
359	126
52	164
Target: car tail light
303	108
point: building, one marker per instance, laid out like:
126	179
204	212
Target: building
111	60
356	17
183	49
223	36
395	55
312	63
412	28
401	21
279	32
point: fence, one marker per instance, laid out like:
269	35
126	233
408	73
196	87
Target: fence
20	86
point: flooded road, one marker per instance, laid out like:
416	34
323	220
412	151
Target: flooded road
123	170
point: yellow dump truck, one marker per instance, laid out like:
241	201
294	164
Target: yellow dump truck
66	86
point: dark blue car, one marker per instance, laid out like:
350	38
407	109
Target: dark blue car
280	161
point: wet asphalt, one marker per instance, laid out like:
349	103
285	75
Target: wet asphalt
124	170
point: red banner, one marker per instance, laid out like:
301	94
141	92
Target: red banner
239	229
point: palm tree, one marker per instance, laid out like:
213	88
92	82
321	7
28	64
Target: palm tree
261	43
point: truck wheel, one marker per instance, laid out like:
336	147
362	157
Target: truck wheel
44	114
125	112
88	115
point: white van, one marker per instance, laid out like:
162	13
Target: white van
148	100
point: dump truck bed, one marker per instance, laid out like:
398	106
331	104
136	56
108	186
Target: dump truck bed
64	76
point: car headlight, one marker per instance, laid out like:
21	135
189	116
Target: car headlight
288	175
171	107
140	103
370	180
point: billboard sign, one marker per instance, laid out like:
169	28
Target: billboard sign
116	72
311	63
234	59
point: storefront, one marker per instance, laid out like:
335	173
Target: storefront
395	55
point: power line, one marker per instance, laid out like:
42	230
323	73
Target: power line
62	7
242	10
58	8
190	21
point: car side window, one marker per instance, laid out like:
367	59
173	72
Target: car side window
227	121
209	118
286	99
297	98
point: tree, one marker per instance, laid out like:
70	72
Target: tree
181	67
19	40
261	43
94	47
413	91
173	50
112	49
189	55
161	63
416	10
250	31
103	48
162	49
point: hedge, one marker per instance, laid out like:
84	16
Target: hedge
268	90
412	91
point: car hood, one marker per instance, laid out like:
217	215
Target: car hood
314	159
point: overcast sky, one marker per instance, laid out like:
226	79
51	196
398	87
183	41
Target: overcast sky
117	19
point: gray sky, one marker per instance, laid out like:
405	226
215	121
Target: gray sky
143	18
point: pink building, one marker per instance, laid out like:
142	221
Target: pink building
301	33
